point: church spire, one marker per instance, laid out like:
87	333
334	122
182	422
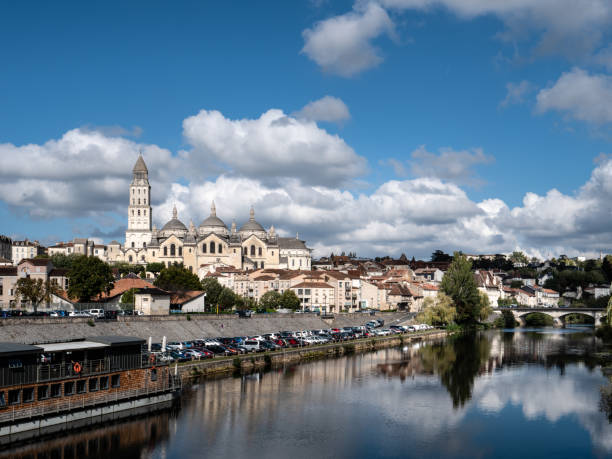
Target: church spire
174	212
213	209
140	166
252	214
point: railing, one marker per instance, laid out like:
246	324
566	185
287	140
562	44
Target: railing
64	370
76	402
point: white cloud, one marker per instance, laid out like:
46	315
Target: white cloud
515	93
455	166
573	28
568	27
580	95
327	108
342	45
270	148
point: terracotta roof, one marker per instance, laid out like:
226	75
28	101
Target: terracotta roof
123	285
64	296
429	287
264	278
312	285
182	298
36	261
547	290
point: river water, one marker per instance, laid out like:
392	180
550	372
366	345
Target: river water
523	393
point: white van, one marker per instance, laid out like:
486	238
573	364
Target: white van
96	312
252	345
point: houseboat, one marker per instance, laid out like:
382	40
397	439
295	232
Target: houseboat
57	386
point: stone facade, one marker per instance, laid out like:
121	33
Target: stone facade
200	249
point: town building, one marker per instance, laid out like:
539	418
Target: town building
25	249
205	248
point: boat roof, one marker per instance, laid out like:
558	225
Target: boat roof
117	340
72	346
18	349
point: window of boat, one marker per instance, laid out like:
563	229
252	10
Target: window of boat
154	374
80	386
104	383
115	381
2	399
93	384
14	396
28	395
69	388
43	392
56	390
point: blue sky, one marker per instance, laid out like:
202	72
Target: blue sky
414	75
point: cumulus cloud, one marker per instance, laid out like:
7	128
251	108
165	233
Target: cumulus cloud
455	166
580	96
342	45
272	147
83	173
327	108
573	28
515	93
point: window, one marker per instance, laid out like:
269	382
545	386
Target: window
80	386
69	388
154	374
28	395
292	262
180	251
144	245
116	381
273	253
138	201
220	248
14	397
93	384
165	251
104	383
253	250
307	291
212	247
144	212
132	212
130	258
2	399
204	248
259	252
133	244
139	212
246	251
172	250
43	392
300	291
56	390
261	265
154	253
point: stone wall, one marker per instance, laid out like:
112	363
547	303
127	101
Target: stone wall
175	328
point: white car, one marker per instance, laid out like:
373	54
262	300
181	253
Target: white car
95	312
78	314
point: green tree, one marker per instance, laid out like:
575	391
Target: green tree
438	311
485	306
270	300
176	278
439	255
155	268
460	285
606	267
213	289
609	313
519	258
35	291
59	260
227	299
128	296
289	300
89	277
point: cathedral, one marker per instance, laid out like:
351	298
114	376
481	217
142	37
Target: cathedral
206	247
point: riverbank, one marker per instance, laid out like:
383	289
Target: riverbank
182	327
226	366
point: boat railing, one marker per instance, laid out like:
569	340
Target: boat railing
87	400
72	369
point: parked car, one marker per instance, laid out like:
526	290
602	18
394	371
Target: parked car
97	313
252	345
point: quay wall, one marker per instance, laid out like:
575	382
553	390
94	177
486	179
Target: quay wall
192	371
37	330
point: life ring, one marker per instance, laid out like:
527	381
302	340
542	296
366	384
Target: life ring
152	358
77	367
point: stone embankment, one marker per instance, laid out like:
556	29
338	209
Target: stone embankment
38	330
226	366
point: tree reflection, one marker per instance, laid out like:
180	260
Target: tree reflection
457	361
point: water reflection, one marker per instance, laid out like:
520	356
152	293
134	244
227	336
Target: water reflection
452	398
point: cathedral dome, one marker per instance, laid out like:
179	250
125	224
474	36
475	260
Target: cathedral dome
212	224
252	226
174	226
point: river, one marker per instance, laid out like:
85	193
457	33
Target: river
523	393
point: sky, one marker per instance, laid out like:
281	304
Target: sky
380	127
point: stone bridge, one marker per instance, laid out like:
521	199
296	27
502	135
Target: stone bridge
558	314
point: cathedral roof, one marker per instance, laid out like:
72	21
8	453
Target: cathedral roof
140	165
174	223
252	225
213	220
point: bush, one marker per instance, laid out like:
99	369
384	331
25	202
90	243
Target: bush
91	323
538	319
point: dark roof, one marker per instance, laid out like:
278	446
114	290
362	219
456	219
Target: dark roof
8	270
152	291
36	261
291	243
117	340
56	272
7	349
140	165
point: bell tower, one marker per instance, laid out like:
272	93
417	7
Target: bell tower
138	234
